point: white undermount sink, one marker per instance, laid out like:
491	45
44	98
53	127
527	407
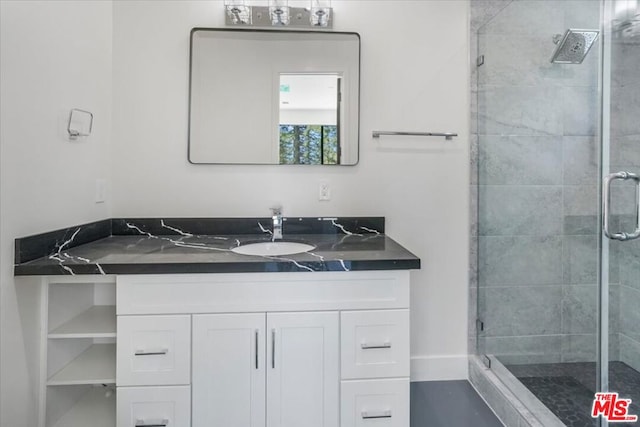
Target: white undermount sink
276	248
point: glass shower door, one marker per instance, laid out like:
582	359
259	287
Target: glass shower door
558	302
620	347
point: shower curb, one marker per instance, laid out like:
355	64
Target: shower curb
504	403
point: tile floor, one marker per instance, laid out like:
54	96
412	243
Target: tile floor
449	404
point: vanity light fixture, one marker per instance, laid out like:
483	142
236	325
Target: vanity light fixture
278	13
320	13
237	12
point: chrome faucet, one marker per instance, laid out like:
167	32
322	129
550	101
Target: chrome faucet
277	222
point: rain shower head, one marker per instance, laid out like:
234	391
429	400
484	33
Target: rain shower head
573	46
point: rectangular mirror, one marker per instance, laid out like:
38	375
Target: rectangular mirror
274	97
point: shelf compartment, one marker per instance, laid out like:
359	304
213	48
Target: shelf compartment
96	365
94	409
97	322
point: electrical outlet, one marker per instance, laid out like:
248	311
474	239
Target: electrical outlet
101	190
324	191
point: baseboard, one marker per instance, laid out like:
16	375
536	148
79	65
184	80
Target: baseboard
439	368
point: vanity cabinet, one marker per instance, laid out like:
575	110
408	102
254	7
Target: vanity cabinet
325	349
273	369
322	349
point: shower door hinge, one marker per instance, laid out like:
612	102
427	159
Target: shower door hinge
480	60
479	325
486	360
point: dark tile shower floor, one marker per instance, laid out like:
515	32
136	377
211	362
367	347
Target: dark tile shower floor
567	389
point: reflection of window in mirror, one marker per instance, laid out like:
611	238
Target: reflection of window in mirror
309	118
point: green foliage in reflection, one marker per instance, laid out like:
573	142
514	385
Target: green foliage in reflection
308	145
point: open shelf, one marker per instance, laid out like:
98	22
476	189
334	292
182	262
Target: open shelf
96	365
94	409
97	322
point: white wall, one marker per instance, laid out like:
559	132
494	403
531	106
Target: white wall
57	55
54	56
414	76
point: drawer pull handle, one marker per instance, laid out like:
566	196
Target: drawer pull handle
366	346
273	348
154	423
155	352
375	415
256	343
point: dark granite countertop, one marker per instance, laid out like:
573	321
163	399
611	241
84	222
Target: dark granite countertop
197	245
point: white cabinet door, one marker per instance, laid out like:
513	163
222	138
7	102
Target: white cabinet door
229	370
303	369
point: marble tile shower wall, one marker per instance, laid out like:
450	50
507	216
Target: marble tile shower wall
537	171
625	155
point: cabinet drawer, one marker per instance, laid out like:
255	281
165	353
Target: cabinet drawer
375	344
153	350
153	406
383	403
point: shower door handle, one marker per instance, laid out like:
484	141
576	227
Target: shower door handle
606	205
